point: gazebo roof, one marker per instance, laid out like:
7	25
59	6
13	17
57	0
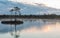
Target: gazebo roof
12	22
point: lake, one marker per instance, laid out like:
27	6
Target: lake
32	28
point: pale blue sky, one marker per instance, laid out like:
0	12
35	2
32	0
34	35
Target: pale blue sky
50	3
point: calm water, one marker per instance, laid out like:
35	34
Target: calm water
33	28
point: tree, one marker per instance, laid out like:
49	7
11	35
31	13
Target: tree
16	10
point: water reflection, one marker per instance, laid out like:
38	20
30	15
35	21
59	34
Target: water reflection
43	28
40	28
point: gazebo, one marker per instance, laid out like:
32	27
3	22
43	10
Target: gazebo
14	22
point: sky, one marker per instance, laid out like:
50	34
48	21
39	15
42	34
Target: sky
49	3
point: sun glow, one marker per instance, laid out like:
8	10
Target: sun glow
46	28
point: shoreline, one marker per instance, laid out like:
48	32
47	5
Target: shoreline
30	16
